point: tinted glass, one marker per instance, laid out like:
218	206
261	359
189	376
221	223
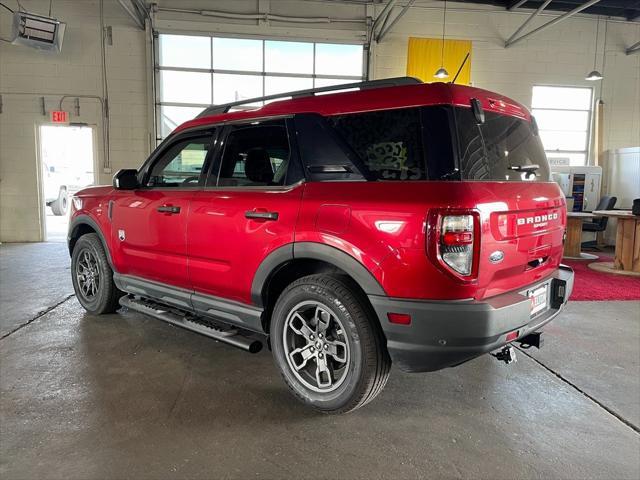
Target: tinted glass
389	142
181	165
324	155
255	156
499	148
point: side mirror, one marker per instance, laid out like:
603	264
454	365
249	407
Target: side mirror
126	179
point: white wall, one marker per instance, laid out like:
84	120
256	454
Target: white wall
561	55
27	75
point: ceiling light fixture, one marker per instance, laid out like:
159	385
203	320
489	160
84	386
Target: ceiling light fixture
595	74
442	72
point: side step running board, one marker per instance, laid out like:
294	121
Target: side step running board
230	336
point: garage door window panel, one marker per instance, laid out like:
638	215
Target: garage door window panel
229	88
185	51
171	117
288	57
273	85
336	59
237	54
185	87
194	72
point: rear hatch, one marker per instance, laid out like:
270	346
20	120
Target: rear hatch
523	213
521	240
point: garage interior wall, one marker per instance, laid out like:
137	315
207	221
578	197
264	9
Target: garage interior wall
561	55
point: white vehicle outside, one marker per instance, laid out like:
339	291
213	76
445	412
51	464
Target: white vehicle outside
60	184
67	164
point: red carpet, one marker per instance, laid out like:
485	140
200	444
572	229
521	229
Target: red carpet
599	286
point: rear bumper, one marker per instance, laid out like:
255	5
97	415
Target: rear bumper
445	334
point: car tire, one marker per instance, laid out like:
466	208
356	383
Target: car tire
341	369
59	205
92	276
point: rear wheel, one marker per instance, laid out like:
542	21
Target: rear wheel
92	276
59	205
329	352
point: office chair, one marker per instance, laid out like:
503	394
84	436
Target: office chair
598	224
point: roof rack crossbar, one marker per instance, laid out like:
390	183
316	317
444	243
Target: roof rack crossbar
386	82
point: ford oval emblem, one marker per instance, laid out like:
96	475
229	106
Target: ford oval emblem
497	256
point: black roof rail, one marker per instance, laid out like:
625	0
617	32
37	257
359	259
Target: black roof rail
385	82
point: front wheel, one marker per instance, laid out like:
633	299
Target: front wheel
329	352
92	276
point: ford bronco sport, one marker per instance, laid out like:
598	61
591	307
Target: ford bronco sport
402	223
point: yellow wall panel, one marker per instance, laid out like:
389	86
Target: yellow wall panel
424	54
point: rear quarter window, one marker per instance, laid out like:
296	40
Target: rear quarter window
389	142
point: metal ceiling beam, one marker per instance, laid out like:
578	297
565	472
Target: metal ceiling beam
635	48
384	31
384	15
513	41
128	7
140	6
515	4
526	22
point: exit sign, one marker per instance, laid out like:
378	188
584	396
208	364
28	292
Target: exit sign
59	116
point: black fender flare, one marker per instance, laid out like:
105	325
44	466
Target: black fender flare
87	220
315	251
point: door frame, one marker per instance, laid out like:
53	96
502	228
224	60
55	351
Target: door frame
42	211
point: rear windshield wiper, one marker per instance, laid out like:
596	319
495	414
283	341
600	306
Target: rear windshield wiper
525	168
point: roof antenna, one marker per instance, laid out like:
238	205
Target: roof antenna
460	69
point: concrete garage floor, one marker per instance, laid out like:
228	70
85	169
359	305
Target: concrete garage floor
125	396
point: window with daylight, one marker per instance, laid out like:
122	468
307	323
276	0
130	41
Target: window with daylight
563	115
194	72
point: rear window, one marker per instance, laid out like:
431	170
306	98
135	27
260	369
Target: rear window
503	148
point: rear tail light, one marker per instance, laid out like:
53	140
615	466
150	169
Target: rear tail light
453	242
456	243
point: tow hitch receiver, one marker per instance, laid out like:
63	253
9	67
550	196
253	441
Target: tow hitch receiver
532	340
506	355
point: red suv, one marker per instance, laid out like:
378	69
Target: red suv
402	223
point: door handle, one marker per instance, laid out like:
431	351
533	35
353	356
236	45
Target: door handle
168	209
261	215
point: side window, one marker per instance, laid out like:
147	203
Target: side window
181	165
255	155
389	142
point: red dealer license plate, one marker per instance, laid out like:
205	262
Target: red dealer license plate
539	299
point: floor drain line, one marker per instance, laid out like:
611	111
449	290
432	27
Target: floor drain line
42	313
573	385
